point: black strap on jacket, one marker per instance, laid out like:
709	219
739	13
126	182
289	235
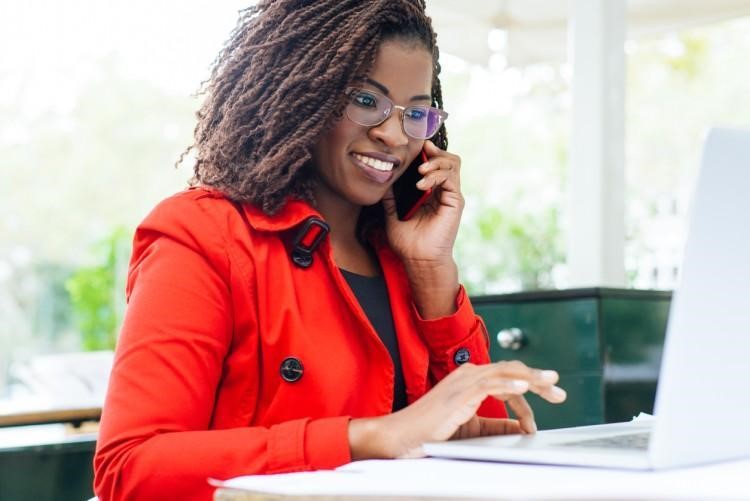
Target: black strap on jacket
311	233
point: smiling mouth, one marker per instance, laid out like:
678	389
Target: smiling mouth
375	169
375	163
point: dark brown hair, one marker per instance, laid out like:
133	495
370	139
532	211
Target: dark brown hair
278	84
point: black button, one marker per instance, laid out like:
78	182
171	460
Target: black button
461	356
291	369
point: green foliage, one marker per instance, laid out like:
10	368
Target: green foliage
95	293
692	58
513	168
508	249
95	151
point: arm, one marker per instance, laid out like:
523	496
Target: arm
155	439
452	332
453	338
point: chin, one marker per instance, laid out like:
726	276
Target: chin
365	200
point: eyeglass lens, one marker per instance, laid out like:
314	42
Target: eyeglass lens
369	108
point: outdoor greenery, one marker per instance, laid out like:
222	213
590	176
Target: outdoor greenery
96	293
80	173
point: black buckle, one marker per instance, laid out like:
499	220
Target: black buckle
302	248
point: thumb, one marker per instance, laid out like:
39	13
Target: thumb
431	149
389	205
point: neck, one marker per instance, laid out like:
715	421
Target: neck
342	216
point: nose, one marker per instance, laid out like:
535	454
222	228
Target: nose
390	132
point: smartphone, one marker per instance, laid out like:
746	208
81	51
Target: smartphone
408	197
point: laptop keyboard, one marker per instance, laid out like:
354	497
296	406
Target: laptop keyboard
638	441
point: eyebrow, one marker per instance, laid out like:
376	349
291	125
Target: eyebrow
382	88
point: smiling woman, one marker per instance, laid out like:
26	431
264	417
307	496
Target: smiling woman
281	317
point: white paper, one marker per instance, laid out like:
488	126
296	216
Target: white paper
643	417
455	478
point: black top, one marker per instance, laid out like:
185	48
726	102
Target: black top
372	294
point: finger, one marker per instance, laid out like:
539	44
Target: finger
487	378
542	382
552	394
433	180
541	386
523	412
473	383
468	394
431	149
487	427
519	370
502	389
492	426
439	164
444	178
471	428
434	153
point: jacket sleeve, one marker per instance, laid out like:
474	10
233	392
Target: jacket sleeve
455	339
155	439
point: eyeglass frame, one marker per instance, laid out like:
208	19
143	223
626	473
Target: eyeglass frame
442	114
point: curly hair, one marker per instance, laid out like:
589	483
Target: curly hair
278	84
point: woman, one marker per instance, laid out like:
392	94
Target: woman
280	316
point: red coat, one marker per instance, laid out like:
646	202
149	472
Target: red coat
213	310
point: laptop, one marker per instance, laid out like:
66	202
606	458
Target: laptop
702	408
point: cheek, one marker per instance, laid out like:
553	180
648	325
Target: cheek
326	147
331	150
340	135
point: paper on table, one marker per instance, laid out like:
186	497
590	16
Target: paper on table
452	478
643	417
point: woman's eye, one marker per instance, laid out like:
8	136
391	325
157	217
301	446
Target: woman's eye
365	100
415	114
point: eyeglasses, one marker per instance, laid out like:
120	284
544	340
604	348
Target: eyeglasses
369	108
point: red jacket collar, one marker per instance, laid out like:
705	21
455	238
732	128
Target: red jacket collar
291	214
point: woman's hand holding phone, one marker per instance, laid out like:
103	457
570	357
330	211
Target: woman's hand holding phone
425	241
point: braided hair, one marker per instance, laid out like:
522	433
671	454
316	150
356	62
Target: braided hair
278	84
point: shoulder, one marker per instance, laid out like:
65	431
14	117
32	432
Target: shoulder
196	218
185	206
199	211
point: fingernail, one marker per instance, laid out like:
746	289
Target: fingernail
549	375
558	392
520	384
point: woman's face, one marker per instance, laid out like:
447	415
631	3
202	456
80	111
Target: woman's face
344	155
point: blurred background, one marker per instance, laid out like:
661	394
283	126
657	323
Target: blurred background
97	101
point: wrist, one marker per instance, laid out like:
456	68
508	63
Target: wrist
378	438
366	440
434	287
433	275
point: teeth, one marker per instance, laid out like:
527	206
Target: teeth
374	163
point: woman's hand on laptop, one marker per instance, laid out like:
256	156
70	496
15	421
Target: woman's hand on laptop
449	410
